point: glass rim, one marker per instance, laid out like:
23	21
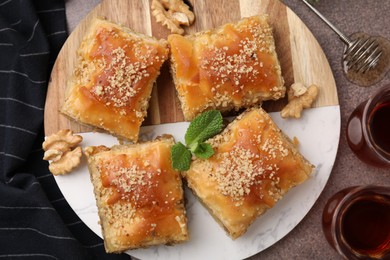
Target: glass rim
336	224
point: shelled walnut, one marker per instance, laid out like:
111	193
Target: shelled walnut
62	152
299	98
172	14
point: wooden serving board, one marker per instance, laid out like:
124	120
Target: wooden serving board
300	55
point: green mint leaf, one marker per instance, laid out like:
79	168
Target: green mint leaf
193	147
203	127
181	157
203	151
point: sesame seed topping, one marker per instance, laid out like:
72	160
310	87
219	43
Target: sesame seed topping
236	172
234	66
121	82
252	158
128	180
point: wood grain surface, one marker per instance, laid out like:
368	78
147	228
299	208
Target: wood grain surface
300	55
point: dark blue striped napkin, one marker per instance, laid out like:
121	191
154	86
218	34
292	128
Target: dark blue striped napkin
35	220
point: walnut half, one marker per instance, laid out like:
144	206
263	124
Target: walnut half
62	152
299	98
172	14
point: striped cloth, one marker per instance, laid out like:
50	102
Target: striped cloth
35	220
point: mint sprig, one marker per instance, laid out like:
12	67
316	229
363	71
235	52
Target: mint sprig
203	127
181	156
203	151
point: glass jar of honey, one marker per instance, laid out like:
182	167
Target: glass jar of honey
356	222
368	129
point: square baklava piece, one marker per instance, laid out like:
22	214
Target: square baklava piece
253	166
139	195
230	67
113	80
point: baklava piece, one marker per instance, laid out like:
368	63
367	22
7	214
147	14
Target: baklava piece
231	67
113	80
139	195
254	165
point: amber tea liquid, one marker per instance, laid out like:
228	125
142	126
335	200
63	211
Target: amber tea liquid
368	129
366	225
379	126
356	222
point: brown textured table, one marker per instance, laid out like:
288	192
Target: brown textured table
306	241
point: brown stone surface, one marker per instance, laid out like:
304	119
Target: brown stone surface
306	241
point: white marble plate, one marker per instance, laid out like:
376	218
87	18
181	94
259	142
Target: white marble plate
318	132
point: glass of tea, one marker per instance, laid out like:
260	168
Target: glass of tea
368	129
356	222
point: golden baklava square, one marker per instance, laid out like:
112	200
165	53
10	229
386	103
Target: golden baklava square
113	80
139	195
253	166
230	67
